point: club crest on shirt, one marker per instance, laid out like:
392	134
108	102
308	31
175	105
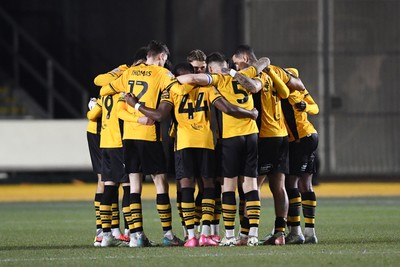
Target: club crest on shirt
267	86
165	94
172	76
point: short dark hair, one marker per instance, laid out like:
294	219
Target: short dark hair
168	64
245	49
182	68
155	47
215	57
196	54
140	54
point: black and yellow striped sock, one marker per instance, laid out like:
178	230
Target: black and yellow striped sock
253	207
115	212
242	204
280	225
97	202
309	204
244	226
229	210
126	209
208	206
217	207
179	206
293	218
136	212
105	207
244	220
164	211
198	209
188	207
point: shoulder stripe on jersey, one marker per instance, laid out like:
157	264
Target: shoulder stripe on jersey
112	88
216	99
170	85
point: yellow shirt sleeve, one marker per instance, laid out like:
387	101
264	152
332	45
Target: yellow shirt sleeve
95	112
115	86
180	89
123	113
279	84
250	72
312	107
106	78
295	97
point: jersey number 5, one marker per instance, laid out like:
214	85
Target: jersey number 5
239	91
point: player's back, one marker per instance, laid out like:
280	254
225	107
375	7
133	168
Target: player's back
192	113
110	136
236	95
146	82
272	119
297	121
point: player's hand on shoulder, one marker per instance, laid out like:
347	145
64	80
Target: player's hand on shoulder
255	113
92	103
131	99
301	106
262	64
225	70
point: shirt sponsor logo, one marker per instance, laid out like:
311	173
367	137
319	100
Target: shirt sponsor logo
196	126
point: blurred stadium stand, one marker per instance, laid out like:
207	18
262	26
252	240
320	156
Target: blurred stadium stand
347	51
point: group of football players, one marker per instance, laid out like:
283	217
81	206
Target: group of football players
232	124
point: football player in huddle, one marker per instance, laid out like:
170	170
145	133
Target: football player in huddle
303	138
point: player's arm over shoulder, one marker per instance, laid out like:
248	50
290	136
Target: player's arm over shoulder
106	78
235	111
312	107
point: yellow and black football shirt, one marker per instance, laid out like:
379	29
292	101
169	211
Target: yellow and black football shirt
106	78
281	73
94	117
94	125
192	114
146	82
297	121
274	89
239	96
111	126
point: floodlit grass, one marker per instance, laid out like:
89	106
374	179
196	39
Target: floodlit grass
351	231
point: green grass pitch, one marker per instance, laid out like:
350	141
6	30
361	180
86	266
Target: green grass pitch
351	232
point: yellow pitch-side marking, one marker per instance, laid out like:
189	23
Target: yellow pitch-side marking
82	191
